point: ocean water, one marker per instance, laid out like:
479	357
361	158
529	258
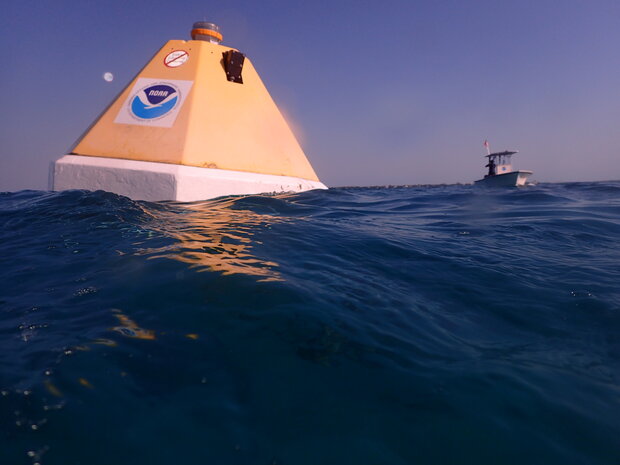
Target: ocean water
407	325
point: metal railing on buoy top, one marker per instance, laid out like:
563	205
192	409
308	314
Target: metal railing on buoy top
208	32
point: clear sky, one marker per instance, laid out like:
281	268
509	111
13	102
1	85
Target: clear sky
381	92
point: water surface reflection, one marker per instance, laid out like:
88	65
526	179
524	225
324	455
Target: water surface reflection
215	236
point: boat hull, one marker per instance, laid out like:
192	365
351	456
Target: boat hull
511	179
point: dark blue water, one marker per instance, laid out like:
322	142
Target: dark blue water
414	325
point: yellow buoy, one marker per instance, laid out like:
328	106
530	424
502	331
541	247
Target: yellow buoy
197	122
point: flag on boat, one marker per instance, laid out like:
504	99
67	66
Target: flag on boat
486	144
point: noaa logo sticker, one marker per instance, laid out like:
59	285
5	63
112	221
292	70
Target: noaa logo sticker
154	101
176	58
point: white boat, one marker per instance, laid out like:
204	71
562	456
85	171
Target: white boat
501	173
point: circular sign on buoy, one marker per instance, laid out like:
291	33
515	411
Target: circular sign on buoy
176	58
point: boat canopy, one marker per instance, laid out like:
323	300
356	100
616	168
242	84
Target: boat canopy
501	154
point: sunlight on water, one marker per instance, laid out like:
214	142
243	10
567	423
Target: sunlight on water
131	329
213	236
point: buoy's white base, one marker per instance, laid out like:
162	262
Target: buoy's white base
141	180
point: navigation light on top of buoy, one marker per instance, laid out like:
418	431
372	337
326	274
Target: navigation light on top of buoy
209	32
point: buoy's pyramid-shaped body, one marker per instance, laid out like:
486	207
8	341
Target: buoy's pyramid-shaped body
182	130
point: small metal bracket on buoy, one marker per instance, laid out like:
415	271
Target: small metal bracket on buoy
233	65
